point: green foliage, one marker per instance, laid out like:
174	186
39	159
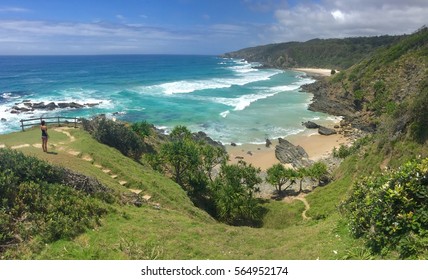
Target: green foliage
143	129
318	171
233	193
419	114
116	135
33	203
323	53
345	151
29	168
390	212
278	175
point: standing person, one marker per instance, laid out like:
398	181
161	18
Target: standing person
44	129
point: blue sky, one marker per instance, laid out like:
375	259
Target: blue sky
193	26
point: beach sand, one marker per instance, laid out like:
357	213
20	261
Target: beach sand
314	71
317	146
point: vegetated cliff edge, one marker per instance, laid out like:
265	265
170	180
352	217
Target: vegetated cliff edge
381	90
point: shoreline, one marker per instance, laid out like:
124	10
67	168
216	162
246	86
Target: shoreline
314	71
316	145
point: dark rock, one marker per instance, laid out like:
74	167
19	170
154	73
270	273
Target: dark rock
239	157
310	125
3	120
233	144
249	153
91	104
40	105
51	106
75	105
326	131
286	152
202	136
268	143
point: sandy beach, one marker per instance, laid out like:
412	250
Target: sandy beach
314	71
317	146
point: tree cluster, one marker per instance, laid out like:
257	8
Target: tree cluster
226	191
278	176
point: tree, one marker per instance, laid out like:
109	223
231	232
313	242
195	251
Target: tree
301	173
210	158
232	191
278	176
318	171
179	157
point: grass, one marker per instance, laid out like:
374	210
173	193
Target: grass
179	230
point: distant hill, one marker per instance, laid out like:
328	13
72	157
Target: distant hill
384	89
322	53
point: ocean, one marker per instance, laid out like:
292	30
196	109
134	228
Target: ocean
231	100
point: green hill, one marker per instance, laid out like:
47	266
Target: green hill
167	225
321	53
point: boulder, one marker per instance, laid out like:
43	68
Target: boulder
202	136
310	125
51	106
268	143
286	152
326	131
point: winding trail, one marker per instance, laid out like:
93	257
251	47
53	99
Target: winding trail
302	198
307	206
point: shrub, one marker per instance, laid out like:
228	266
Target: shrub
143	129
390	212
34	203
116	135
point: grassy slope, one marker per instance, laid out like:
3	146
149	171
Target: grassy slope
178	230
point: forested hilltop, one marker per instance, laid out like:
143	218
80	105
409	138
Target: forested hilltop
322	53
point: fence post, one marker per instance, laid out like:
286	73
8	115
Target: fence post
75	122
22	125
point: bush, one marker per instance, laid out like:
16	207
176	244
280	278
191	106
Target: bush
143	129
390	212
116	135
34	203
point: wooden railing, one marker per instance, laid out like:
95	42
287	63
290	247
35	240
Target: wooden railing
53	120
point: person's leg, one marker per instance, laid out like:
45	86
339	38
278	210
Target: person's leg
44	144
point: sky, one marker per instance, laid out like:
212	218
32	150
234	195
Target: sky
193	26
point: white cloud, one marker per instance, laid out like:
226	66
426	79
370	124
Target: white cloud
340	18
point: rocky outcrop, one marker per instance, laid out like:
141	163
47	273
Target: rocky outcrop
28	106
288	153
310	125
326	131
202	136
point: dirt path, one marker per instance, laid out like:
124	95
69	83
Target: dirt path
302	198
307	206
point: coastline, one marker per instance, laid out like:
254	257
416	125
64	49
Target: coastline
317	146
314	71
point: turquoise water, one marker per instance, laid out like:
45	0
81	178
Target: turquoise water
228	99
